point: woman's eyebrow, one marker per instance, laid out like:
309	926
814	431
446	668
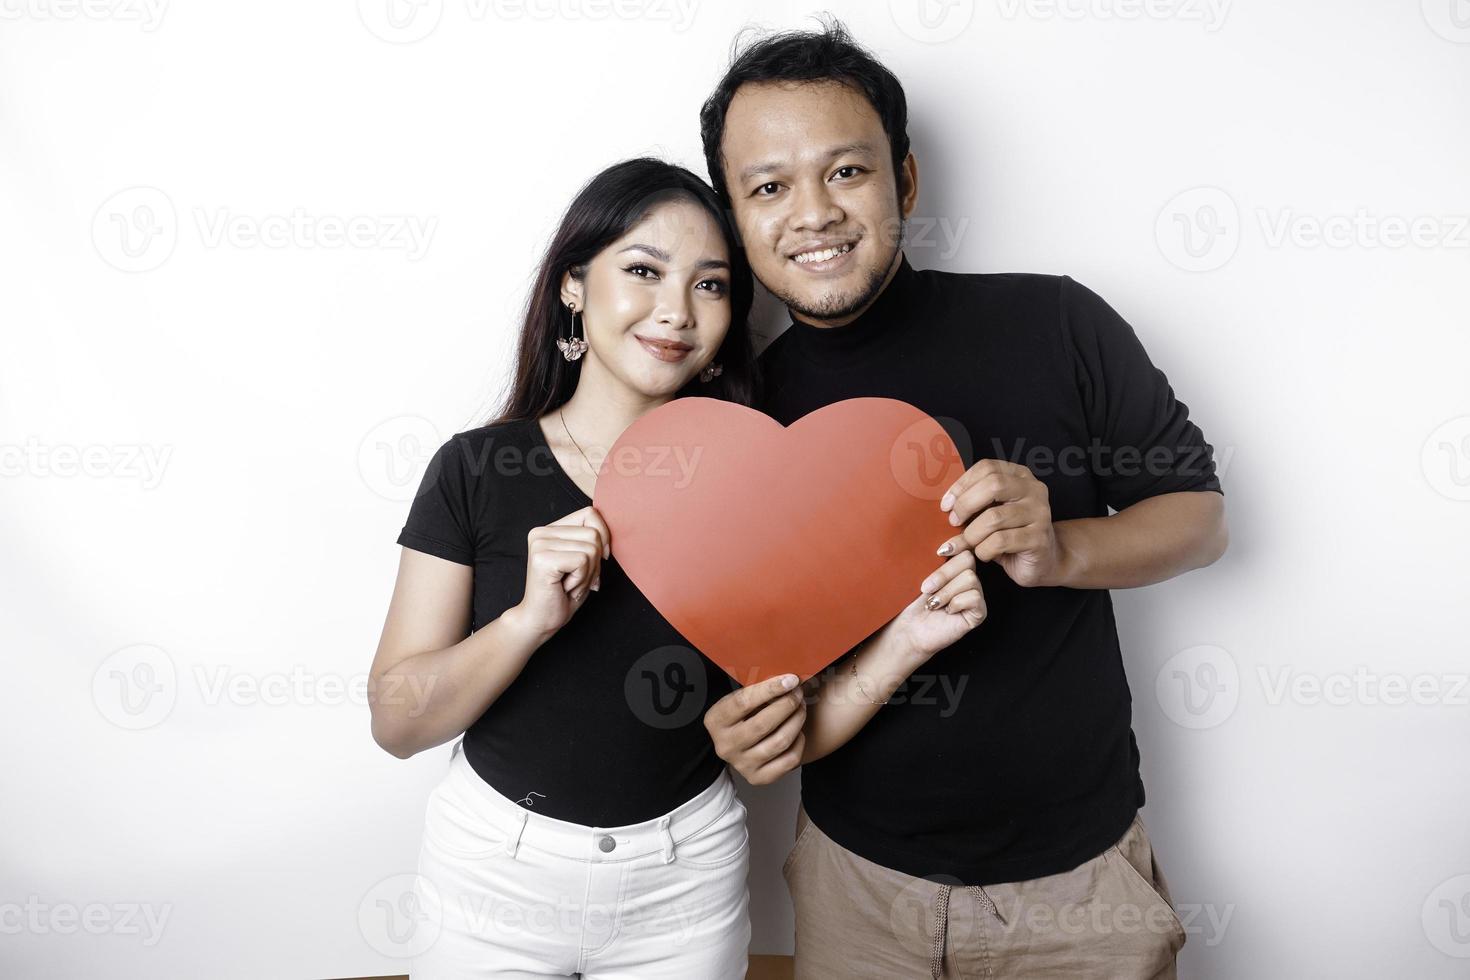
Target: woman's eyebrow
662	256
656	252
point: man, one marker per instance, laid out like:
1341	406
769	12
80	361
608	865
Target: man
993	831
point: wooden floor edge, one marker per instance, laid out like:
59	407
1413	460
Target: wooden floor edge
762	967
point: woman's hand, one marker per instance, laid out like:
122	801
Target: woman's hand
563	563
951	604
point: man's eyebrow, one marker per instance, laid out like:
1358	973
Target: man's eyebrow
772	166
663	256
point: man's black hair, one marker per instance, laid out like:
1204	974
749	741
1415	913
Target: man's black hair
806	56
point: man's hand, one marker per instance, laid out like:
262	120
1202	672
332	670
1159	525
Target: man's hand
757	729
1006	512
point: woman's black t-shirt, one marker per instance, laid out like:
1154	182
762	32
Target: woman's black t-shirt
604	725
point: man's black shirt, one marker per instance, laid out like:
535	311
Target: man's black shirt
1010	755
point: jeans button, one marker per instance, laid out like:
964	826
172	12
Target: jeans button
605	843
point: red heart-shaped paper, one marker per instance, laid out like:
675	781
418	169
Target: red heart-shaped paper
774	549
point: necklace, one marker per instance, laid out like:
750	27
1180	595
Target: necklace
574	440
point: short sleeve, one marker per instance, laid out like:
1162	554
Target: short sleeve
1143	442
439	518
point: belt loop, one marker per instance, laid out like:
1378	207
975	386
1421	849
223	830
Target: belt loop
514	841
668	841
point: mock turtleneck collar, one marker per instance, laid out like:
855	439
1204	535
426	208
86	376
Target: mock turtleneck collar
871	328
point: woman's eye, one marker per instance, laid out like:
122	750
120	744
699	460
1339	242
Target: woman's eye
639	270
715	285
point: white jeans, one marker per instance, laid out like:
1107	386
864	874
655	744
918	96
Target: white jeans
520	895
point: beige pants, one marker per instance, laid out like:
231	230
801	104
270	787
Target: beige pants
1109	918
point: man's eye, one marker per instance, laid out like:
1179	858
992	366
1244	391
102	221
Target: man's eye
845	172
766	190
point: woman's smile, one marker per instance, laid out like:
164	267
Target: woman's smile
672	351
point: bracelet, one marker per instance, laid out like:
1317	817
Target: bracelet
859	684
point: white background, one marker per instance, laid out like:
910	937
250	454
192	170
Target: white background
211	419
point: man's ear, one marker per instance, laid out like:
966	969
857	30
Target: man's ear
571	291
908	185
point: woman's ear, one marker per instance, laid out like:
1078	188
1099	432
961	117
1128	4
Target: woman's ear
571	291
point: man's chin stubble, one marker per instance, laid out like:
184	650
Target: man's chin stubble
839	307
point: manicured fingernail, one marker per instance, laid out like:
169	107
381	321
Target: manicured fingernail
946	502
946	549
789	681
596	585
932	604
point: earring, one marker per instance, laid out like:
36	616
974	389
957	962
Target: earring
710	373
575	347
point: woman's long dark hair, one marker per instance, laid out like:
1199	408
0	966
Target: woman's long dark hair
603	211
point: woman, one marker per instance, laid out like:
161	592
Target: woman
587	825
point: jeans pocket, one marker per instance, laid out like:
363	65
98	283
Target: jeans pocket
455	828
723	841
1156	910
